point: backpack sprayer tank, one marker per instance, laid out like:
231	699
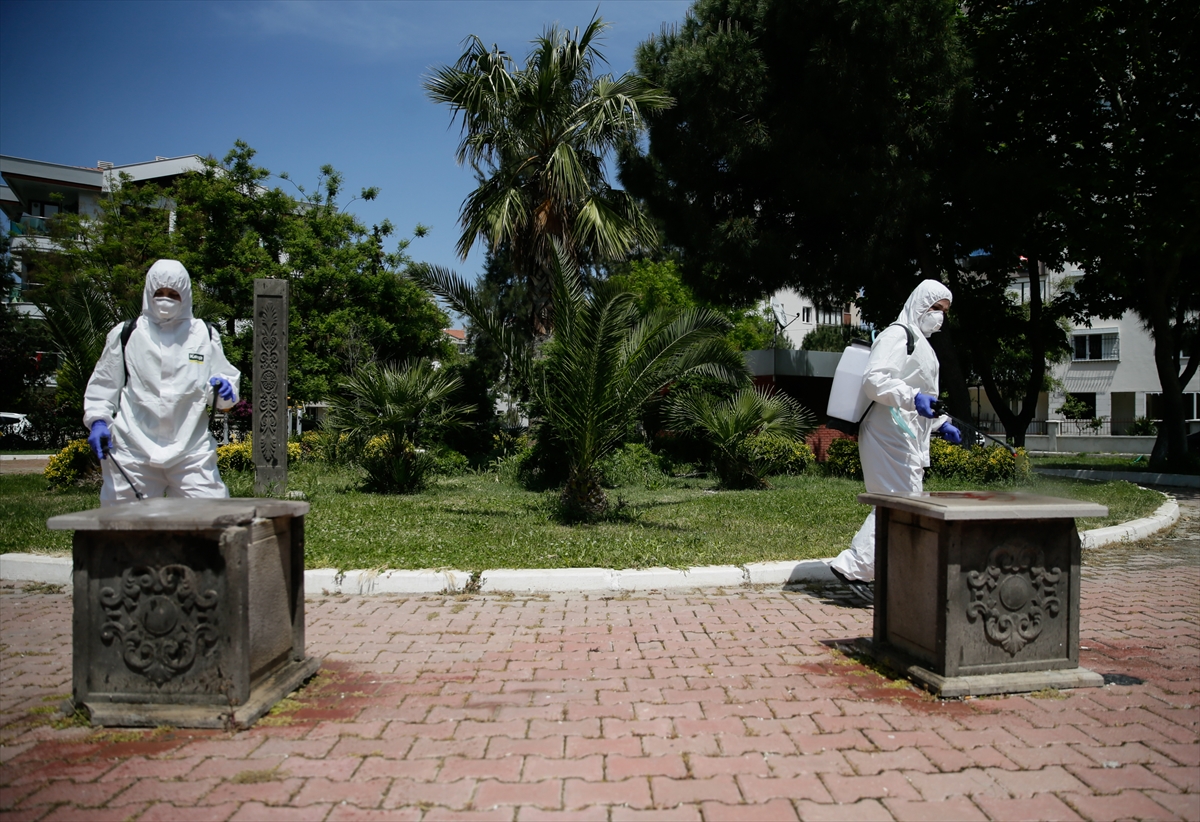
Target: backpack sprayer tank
847	401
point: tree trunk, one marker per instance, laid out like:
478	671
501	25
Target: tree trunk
1170	450
1016	424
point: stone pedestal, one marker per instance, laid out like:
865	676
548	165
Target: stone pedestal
187	612
977	592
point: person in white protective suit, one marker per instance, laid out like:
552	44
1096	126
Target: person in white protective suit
893	439
146	402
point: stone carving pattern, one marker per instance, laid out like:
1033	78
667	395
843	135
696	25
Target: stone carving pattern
1014	594
161	619
266	394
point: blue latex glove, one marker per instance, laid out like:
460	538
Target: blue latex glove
951	434
224	389
99	438
924	403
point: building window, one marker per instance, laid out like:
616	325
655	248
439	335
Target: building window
1104	346
1154	406
807	315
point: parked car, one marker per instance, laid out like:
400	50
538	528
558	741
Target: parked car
15	429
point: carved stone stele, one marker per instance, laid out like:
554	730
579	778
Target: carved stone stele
270	386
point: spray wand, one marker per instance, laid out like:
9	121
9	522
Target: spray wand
108	453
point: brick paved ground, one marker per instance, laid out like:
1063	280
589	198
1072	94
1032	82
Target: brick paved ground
716	705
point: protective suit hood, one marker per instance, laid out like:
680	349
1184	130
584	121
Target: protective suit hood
921	300
167	274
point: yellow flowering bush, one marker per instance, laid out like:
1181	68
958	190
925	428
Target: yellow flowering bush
981	463
239	456
74	465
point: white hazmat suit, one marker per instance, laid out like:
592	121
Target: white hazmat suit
893	440
158	416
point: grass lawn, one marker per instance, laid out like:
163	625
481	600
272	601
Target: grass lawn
1095	462
475	522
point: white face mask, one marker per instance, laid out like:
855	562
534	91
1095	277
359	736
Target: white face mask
931	322
166	309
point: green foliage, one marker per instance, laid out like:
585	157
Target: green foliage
450	463
74	465
632	464
751	432
1074	408
537	137
656	284
350	303
391	416
779	455
800	147
1141	427
842	460
239	456
396	467
828	338
603	365
987	464
1093	107
235	456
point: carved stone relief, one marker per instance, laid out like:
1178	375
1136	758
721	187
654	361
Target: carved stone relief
1014	595
267	377
160	619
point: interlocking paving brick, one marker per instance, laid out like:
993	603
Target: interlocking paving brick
1125	805
700	705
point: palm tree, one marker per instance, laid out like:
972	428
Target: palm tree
604	362
732	425
389	413
537	138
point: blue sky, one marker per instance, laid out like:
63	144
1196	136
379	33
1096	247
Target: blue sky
303	82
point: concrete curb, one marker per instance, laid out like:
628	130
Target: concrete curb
1136	477
1163	517
368	582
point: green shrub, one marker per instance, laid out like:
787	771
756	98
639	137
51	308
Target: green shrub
842	459
950	461
778	455
450	463
396	468
633	464
1142	427
72	466
236	456
992	463
239	456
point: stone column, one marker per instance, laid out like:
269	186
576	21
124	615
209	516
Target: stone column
270	386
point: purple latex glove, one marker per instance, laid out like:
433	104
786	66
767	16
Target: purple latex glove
951	434
924	403
99	438
224	389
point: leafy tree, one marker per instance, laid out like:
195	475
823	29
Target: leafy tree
801	147
827	338
88	278
537	137
22	341
1105	98
604	363
351	304
657	285
731	424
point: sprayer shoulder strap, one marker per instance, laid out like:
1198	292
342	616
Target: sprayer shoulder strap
127	332
912	338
